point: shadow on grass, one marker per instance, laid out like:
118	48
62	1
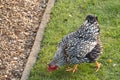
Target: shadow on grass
62	74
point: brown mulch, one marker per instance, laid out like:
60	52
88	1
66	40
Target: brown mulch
19	22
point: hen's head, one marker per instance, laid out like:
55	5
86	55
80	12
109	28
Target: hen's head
91	19
52	67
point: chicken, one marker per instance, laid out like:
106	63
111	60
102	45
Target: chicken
81	46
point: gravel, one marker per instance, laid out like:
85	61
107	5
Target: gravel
19	22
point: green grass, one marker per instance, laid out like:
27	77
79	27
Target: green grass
67	16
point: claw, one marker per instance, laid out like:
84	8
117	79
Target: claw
97	66
72	69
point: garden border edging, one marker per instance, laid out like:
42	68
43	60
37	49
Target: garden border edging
36	47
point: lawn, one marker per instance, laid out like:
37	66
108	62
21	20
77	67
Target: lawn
67	16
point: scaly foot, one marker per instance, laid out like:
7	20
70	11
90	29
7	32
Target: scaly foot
97	66
72	69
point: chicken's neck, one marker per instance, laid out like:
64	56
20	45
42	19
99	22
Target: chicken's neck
89	31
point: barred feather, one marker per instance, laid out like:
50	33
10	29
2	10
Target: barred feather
83	45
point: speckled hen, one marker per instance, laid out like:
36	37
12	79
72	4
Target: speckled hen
83	45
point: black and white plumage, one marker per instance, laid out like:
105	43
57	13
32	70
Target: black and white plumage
83	45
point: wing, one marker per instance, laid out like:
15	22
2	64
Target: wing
76	49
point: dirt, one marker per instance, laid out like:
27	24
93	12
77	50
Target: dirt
19	22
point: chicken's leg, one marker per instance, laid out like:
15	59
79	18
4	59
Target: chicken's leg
97	66
72	69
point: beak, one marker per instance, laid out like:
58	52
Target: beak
48	70
85	22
